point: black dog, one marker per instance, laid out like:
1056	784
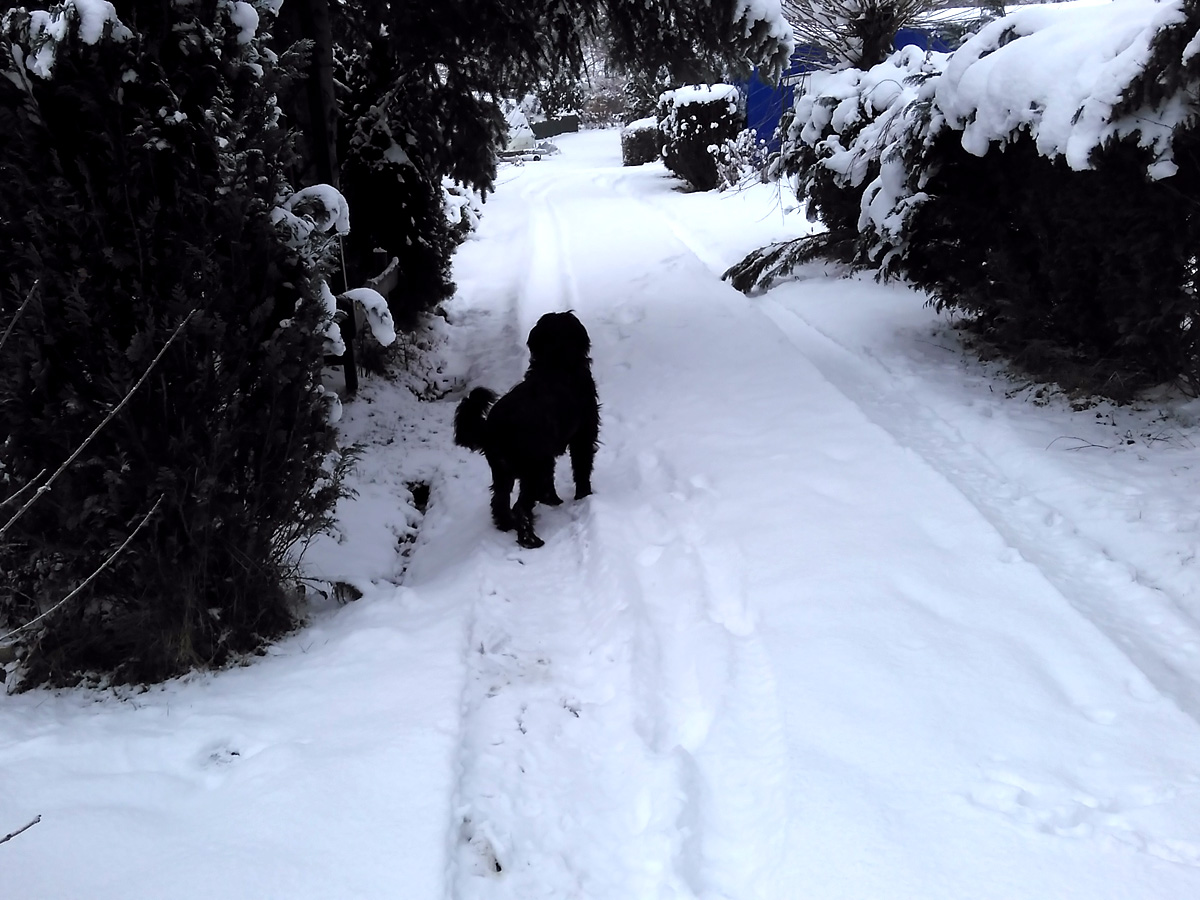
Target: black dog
553	410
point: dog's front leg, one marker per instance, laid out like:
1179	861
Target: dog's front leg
549	495
583	454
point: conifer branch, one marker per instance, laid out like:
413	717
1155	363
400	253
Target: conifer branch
113	414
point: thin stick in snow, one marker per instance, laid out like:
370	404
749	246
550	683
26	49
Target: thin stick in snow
9	837
116	409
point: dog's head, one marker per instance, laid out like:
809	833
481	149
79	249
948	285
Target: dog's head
559	339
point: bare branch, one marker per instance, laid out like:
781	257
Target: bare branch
9	837
22	490
116	409
17	315
104	565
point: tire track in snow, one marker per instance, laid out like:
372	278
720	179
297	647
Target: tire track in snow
1103	589
620	730
708	697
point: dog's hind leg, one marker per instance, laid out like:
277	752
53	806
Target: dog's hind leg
583	454
502	485
533	484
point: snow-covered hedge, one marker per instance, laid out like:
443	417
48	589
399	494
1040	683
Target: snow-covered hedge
695	122
1042	177
172	343
641	142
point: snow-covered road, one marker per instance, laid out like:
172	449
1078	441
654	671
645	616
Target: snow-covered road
841	620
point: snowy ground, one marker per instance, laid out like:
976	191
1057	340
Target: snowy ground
848	616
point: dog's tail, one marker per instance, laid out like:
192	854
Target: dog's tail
470	416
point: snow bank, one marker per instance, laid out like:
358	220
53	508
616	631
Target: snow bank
1057	73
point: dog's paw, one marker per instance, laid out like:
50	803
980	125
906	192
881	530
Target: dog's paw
552	499
582	492
530	541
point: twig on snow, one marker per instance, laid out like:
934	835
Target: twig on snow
9	837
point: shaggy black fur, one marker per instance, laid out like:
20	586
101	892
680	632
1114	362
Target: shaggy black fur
553	410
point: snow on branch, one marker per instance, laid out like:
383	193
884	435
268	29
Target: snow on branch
45	31
766	34
320	208
1058	72
378	316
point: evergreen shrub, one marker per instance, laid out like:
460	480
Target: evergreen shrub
394	161
641	142
142	180
696	122
1095	265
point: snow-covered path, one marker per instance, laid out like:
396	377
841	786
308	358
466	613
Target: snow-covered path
840	621
817	643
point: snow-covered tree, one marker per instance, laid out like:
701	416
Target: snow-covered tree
856	33
144	158
423	82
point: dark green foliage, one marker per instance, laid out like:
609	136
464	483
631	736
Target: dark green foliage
1098	265
829	198
560	94
425	78
762	268
138	187
692	132
641	94
640	145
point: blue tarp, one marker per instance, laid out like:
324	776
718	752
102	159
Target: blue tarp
765	105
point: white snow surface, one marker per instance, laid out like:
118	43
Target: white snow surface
700	93
1059	80
649	123
849	615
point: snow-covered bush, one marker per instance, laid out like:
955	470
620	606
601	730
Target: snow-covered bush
1055	195
695	121
394	171
520	134
741	160
1042	178
462	207
641	142
848	127
141	176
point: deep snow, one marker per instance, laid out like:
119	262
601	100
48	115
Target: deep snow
849	615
